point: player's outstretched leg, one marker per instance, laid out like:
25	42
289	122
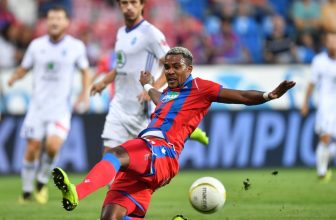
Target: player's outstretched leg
200	136
70	197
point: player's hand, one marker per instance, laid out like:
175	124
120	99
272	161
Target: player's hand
11	81
82	104
97	88
281	89
146	78
143	97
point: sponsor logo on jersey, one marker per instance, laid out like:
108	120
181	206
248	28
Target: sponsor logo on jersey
121	58
170	96
52	67
121	73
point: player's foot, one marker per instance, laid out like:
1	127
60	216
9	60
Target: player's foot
70	197
326	178
41	196
200	136
179	217
25	198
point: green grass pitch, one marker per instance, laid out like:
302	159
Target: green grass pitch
291	194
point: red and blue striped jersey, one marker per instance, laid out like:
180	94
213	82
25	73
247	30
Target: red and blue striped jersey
180	110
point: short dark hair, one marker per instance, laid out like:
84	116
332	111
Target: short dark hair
141	1
329	32
59	8
186	54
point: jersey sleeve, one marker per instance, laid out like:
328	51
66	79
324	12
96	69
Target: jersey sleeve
315	71
158	44
28	58
82	60
210	89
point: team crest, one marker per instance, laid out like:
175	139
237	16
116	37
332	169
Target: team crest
133	40
170	96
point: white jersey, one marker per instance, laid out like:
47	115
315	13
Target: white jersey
137	49
324	77
53	66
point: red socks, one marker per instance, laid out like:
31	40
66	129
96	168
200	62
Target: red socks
100	175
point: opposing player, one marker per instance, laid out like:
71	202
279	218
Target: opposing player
53	59
151	161
139	46
323	76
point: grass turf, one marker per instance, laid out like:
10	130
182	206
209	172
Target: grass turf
291	194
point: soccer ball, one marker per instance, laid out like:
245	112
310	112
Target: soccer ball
207	195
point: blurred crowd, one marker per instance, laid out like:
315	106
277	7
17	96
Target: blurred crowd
216	31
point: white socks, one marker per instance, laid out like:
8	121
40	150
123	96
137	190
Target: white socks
332	150
28	175
46	165
29	172
322	158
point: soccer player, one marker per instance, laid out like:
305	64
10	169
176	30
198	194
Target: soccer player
139	46
323	76
151	160
53	59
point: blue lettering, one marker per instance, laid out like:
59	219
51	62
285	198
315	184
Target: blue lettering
230	146
218	126
269	133
291	142
307	153
237	141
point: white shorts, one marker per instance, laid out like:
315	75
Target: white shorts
34	127
326	122
120	127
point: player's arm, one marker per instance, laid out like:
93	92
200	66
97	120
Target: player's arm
26	64
157	45
305	104
145	80
101	85
253	97
19	73
158	83
86	79
161	81
82	102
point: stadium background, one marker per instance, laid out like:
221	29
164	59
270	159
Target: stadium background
233	44
272	139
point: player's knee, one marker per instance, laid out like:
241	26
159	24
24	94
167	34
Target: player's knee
52	152
33	145
112	217
121	154
53	144
325	138
112	213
